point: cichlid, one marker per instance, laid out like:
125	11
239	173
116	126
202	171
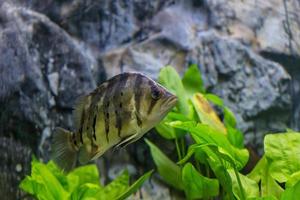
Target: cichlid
118	112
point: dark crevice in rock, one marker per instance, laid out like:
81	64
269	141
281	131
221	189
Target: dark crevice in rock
292	65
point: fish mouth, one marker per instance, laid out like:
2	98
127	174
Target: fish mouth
171	101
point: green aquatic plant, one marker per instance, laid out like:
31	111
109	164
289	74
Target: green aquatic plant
210	164
48	182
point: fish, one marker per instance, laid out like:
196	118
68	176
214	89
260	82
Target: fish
118	112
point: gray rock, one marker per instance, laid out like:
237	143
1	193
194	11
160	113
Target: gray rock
42	72
101	24
18	156
249	84
270	26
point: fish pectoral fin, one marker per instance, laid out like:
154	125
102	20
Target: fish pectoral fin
84	155
127	141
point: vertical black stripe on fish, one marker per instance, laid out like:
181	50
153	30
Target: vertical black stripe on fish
137	92
152	104
94	126
108	95
74	139
138	119
81	125
153	101
118	101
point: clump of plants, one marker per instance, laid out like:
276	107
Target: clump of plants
209	164
48	182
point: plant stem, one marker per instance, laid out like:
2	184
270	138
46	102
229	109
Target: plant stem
240	184
178	149
182	142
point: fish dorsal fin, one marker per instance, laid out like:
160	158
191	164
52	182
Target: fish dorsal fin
78	109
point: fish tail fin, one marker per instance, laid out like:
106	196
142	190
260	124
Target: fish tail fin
64	153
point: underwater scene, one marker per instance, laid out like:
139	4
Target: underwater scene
149	100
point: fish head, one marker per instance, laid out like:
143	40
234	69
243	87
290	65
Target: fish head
157	102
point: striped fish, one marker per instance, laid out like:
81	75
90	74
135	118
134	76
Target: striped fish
118	112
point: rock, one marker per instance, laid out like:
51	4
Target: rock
276	18
43	71
249	84
101	24
18	156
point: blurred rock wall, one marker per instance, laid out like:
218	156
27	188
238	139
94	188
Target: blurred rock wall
53	51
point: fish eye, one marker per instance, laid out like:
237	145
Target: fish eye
156	94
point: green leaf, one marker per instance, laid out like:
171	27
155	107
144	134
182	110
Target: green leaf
135	186
203	134
168	170
283	154
249	186
169	132
214	99
291	193
169	78
260	174
86	191
235	137
220	170
263	198
197	186
215	157
192	80
294	178
229	118
42	183
86	174
206	113
115	188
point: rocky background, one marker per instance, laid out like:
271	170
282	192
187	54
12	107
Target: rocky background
53	51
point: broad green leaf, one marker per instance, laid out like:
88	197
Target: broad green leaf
36	188
263	198
42	183
294	178
260	174
135	186
86	174
283	154
115	188
249	186
235	137
291	193
177	116
168	170
220	171
165	131
86	191
214	99
170	79
259	170
192	80
58	173
216	160
169	132
197	186
202	134
206	113
229	118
